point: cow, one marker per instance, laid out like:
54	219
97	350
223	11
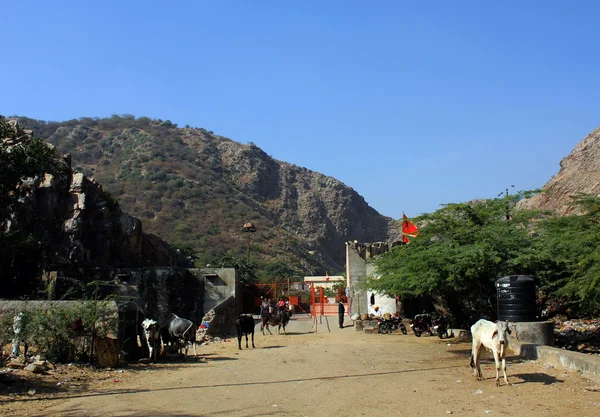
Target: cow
183	331
494	337
244	325
275	319
153	337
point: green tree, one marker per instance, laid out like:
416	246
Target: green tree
277	271
566	258
246	269
458	255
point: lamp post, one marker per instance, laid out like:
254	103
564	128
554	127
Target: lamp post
507	203
249	228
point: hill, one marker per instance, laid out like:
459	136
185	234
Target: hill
579	174
52	218
197	189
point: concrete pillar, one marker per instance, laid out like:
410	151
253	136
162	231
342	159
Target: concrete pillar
356	273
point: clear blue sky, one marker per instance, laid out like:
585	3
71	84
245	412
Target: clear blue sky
412	104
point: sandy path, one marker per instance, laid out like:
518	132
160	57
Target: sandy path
337	373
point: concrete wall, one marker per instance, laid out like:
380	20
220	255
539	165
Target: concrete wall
219	284
587	365
357	271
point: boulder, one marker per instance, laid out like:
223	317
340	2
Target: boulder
35	368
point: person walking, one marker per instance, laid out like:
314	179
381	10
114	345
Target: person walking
341	311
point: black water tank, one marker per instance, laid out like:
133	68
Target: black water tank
516	298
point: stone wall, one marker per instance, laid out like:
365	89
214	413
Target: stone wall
196	294
156	292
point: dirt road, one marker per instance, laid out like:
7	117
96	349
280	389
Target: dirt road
338	373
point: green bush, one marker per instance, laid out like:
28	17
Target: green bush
51	330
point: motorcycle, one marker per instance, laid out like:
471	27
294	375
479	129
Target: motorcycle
422	323
388	326
440	328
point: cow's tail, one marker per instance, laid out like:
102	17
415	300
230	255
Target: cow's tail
186	330
472	362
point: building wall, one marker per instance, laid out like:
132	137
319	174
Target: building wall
356	273
219	284
322	281
359	265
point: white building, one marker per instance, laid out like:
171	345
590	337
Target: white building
325	281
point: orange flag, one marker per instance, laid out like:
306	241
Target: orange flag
408	229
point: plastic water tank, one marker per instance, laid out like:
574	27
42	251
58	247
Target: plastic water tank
516	298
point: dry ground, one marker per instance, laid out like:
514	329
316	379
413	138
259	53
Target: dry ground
336	373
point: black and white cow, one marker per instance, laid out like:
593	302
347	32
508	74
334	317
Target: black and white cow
183	331
153	338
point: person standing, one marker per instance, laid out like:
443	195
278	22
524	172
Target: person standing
264	306
341	311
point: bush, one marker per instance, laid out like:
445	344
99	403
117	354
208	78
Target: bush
52	329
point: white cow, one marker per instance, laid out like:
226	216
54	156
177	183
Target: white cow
494	337
153	339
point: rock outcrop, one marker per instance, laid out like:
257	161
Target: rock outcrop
77	224
579	174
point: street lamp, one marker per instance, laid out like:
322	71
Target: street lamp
249	228
507	203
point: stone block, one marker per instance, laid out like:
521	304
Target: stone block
36	369
460	335
16	365
371	330
107	350
48	181
77	182
359	325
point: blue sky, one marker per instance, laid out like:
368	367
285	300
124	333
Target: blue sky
412	104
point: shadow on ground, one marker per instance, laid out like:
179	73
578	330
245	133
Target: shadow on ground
536	377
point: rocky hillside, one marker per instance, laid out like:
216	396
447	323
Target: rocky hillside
579	174
54	218
197	189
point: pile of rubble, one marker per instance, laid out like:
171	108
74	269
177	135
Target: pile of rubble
34	364
581	335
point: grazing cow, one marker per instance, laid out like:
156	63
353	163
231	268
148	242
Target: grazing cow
183	331
275	319
244	325
494	337
153	339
